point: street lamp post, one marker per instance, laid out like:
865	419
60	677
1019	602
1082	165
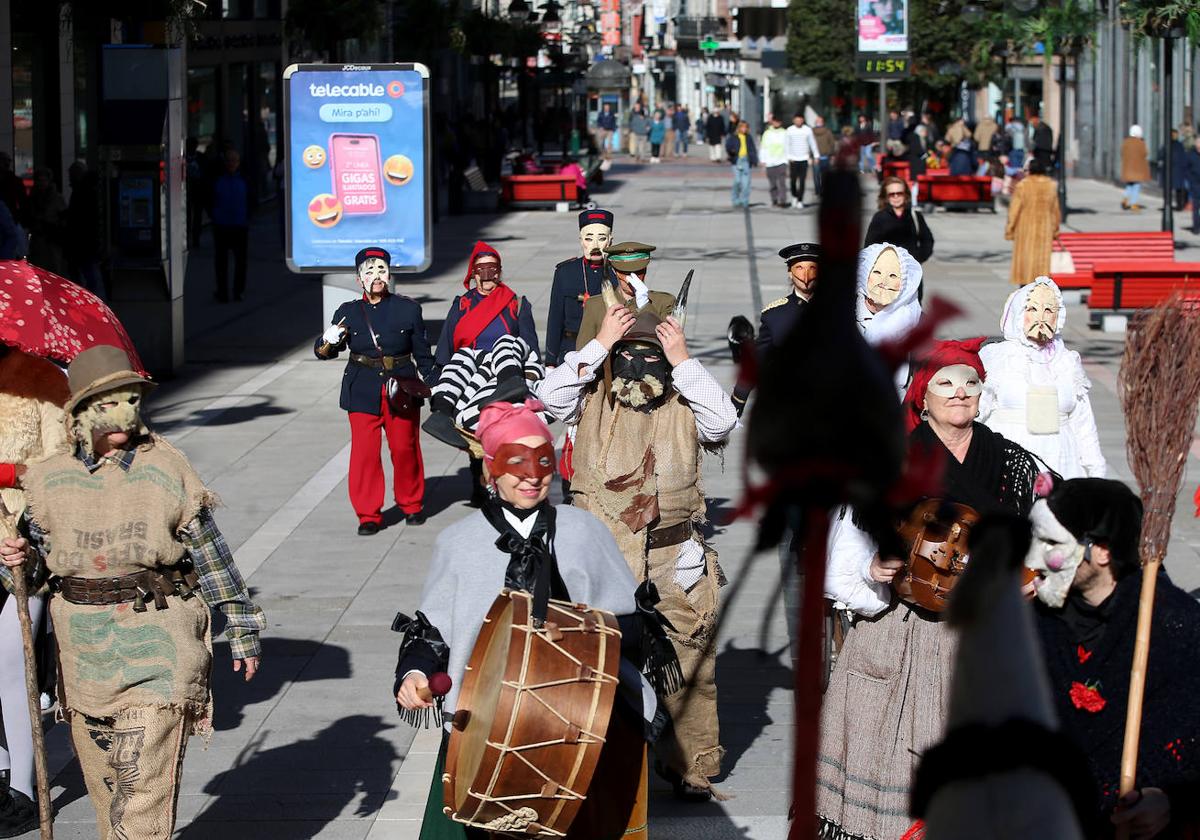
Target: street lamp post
1062	132
1168	213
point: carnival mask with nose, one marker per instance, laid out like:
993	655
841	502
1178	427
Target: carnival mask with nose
1041	315
1054	553
524	462
593	239
118	410
373	270
886	279
488	272
948	380
641	375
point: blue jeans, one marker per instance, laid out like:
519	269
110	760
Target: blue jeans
741	183
1132	192
681	142
819	172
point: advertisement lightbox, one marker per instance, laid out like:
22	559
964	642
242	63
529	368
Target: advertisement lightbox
882	26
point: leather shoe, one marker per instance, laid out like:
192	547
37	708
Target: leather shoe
368	529
442	427
417	518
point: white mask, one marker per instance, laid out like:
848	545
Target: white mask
946	382
1041	315
1054	553
886	278
371	270
593	239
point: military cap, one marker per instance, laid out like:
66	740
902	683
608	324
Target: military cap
801	252
595	217
371	253
628	257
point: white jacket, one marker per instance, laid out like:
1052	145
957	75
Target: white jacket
848	580
801	145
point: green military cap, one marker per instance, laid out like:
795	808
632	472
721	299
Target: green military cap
628	257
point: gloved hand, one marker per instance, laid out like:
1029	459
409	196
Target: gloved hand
334	334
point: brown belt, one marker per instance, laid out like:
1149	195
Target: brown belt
384	362
138	587
671	535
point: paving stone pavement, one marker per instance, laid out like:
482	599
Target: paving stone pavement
313	748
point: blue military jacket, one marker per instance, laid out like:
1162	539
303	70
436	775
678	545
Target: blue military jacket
573	279
505	323
399	330
776	321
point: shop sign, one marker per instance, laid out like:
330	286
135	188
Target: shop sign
357	165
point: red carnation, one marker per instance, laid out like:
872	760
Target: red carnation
1083	653
1087	697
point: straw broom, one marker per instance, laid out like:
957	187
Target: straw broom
21	593
1159	386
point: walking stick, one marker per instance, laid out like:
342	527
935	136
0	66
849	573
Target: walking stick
1159	388
21	593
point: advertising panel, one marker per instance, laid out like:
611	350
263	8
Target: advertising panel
357	164
882	26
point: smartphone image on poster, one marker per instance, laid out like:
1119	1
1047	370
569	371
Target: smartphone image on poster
357	173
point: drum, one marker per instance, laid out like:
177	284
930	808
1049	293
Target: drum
532	717
936	533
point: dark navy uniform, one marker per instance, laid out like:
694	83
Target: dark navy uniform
574	282
508	322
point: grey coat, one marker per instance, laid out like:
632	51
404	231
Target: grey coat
467	573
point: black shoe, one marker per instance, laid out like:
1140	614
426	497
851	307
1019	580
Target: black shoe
512	389
417	518
368	529
684	791
442	427
18	814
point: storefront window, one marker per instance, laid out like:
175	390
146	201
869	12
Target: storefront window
202	105
266	130
22	88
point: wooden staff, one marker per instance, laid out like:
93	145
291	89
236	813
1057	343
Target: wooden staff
21	593
1137	683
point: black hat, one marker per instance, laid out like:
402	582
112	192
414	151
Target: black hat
1104	511
371	253
595	217
801	252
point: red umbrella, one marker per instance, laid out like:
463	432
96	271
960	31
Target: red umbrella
46	315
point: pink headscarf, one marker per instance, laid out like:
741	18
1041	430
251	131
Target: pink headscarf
502	422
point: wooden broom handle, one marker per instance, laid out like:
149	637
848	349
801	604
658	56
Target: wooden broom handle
1137	683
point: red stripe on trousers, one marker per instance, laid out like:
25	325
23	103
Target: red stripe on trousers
366	482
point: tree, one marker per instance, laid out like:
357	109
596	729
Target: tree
821	41
324	24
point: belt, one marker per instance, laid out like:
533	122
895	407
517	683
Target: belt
155	584
671	535
384	362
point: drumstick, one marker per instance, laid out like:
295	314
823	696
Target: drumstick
438	686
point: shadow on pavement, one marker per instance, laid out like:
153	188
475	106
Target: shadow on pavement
759	672
254	406
294	791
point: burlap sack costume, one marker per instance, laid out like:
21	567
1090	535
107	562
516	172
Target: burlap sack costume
638	470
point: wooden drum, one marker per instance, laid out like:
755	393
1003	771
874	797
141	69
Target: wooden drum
532	717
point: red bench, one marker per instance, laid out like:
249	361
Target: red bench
1121	286
969	191
898	169
538	190
1086	248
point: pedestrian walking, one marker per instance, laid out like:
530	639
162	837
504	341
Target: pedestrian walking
714	135
639	134
744	157
1135	167
773	152
195	196
231	227
133	611
668	141
1042	137
915	148
83	229
657	136
1018	141
826	144
606	127
1178	189
865	136
683	127
1191	167
1033	220
11	235
387	343
896	221
963	160
46	219
985	135
801	149
895	125
12	191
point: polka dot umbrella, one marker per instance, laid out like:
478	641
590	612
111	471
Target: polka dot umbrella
46	315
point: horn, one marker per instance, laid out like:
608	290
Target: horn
607	292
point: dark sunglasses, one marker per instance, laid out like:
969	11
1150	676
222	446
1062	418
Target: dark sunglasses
890	194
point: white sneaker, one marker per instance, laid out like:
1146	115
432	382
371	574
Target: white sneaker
799	205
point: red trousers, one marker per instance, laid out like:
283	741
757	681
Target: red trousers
366	466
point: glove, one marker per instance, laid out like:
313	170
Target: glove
334	334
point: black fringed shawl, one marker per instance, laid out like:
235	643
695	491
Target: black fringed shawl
996	475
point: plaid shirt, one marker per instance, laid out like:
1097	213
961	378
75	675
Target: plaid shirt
221	583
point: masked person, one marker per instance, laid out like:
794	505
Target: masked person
125	528
32	393
889	284
630	262
515	539
1036	392
1087	535
488	351
575	282
385	335
779	316
888	694
644	411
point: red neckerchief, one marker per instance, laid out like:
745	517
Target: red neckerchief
480	315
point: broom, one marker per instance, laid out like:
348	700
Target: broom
1159	386
21	593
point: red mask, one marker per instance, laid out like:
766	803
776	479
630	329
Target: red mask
523	461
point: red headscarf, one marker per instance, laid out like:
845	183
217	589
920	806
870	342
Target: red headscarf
501	422
943	354
481	249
